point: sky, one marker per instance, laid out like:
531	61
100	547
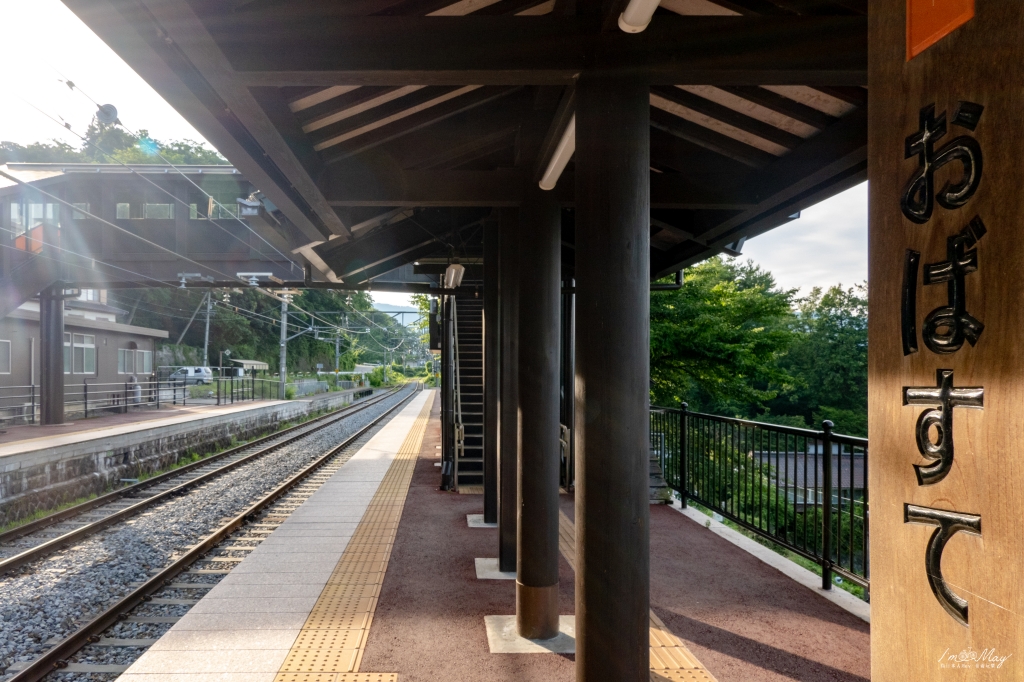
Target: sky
827	245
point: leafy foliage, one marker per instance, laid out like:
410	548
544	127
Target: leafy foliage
111	144
716	342
731	342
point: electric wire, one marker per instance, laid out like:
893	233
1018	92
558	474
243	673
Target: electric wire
150	243
74	87
67	126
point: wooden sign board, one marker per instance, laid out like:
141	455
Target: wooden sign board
946	360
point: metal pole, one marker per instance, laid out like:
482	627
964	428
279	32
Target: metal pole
284	348
206	336
540	243
612	412
85	392
826	512
684	469
51	354
492	357
508	419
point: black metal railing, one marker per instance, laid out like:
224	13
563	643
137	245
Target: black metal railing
803	489
21	404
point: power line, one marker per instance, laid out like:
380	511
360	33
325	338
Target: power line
67	126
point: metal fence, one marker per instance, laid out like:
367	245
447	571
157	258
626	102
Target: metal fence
803	489
21	404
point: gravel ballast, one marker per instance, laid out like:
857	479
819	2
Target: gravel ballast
49	599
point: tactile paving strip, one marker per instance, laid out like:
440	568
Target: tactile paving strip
331	643
671	660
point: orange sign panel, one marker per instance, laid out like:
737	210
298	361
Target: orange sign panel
929	21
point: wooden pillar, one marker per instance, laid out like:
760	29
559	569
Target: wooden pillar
946	339
612	375
540	245
51	355
509	410
492	366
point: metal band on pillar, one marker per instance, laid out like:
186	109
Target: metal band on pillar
509	409
612	309
539	288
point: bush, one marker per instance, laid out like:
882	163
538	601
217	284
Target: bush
289	393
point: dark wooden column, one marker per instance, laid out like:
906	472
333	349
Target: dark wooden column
51	355
492	365
540	244
509	409
612	374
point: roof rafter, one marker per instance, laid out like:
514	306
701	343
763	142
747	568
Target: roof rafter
321	49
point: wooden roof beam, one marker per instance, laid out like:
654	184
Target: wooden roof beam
267	48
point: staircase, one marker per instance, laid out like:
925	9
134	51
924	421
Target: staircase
469	327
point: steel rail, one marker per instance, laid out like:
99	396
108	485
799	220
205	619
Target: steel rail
33	553
56	658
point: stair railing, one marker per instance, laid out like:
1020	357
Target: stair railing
460	428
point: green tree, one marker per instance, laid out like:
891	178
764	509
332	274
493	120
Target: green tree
717	341
829	359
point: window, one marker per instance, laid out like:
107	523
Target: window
89	295
193	211
81	210
85	353
124	211
5	357
132	361
158	211
67	353
17	218
125	361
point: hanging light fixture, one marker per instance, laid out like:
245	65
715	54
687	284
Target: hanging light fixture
453	275
637	15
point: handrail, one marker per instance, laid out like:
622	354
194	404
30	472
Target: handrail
460	428
804	489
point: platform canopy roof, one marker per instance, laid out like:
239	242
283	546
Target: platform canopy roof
389	131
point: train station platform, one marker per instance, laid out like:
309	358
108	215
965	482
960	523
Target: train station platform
373	579
44	466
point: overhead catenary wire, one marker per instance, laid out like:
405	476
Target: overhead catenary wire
74	87
150	243
67	126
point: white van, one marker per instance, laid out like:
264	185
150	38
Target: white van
193	375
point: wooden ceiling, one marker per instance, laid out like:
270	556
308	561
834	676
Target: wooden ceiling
388	131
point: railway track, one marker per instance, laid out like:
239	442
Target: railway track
30	542
172	589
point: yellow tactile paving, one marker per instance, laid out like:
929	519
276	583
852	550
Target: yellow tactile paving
331	643
671	660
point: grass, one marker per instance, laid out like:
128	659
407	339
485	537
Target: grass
35	516
189	457
853	588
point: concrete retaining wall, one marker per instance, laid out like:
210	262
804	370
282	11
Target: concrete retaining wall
41	476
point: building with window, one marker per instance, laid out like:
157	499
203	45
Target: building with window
97	348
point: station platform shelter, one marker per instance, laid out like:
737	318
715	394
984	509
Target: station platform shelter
380	576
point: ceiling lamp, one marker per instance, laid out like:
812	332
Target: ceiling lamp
637	15
559	160
453	276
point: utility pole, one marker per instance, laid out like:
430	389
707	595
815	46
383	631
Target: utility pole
284	346
337	354
206	337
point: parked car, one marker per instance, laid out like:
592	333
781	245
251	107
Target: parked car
193	375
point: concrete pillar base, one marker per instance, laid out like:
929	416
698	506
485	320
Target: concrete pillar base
536	611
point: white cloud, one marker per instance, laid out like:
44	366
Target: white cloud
827	245
47	44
